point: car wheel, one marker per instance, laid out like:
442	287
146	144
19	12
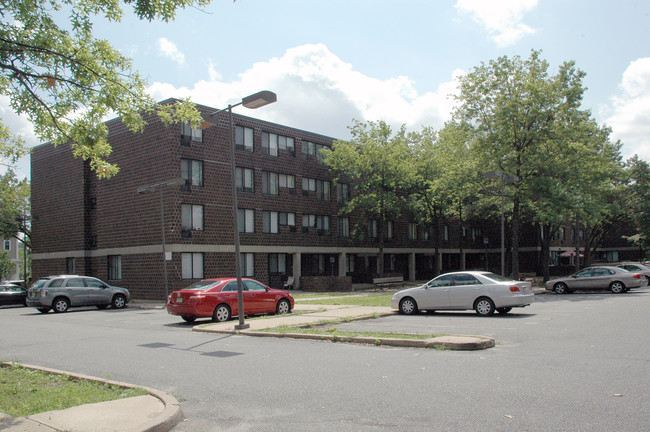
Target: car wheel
43	310
504	310
188	318
561	288
102	307
221	313
408	306
484	306
617	287
60	305
283	307
119	301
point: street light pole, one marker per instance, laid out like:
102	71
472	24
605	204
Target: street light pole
253	101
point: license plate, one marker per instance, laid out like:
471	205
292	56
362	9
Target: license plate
179	299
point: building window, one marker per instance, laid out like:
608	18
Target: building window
269	144
244	138
372	228
244	179
612	256
195	135
192	264
7	245
287	219
278	263
344	227
413	231
114	267
69	266
287	181
308	148
192	172
247	264
246	220
343	192
270	183
309	221
476	234
389	229
323	225
308	185
192	217
445	233
270	223
286	143
323	188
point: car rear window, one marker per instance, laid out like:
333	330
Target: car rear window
202	285
496	277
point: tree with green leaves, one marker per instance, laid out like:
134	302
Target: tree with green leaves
67	82
445	178
14	205
637	201
6	265
524	122
377	162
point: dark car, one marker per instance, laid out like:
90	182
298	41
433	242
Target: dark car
12	294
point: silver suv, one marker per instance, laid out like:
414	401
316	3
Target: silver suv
62	292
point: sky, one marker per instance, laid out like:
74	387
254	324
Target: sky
331	62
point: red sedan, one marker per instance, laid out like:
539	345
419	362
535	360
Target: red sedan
217	298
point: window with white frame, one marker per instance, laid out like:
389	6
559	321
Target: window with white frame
286	143
191	217
344	227
114	267
389	229
323	224
372	228
244	138
445	233
269	144
246	220
7	245
308	185
270	222
192	265
270	183
278	263
323	188
195	135
349	263
413	231
244	179
309	221
247	261
192	171
287	181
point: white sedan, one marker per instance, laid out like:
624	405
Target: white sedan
482	291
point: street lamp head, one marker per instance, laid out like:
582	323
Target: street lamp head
259	99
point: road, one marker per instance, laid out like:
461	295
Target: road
578	362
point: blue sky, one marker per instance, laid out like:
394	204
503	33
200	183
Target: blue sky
333	61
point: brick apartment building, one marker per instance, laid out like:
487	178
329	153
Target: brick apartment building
288	213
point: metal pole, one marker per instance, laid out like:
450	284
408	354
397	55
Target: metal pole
235	213
503	246
164	253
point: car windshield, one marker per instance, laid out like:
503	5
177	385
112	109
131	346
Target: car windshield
496	277
202	285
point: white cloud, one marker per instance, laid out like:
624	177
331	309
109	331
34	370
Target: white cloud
169	49
630	111
18	125
501	18
320	93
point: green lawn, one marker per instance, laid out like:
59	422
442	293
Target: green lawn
364	300
24	391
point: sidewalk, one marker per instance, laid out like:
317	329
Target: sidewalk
155	412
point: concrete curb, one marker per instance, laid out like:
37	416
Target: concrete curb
163	422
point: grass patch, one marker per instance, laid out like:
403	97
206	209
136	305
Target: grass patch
365	300
24	391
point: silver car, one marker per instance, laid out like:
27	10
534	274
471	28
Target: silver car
615	279
637	268
484	292
59	293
